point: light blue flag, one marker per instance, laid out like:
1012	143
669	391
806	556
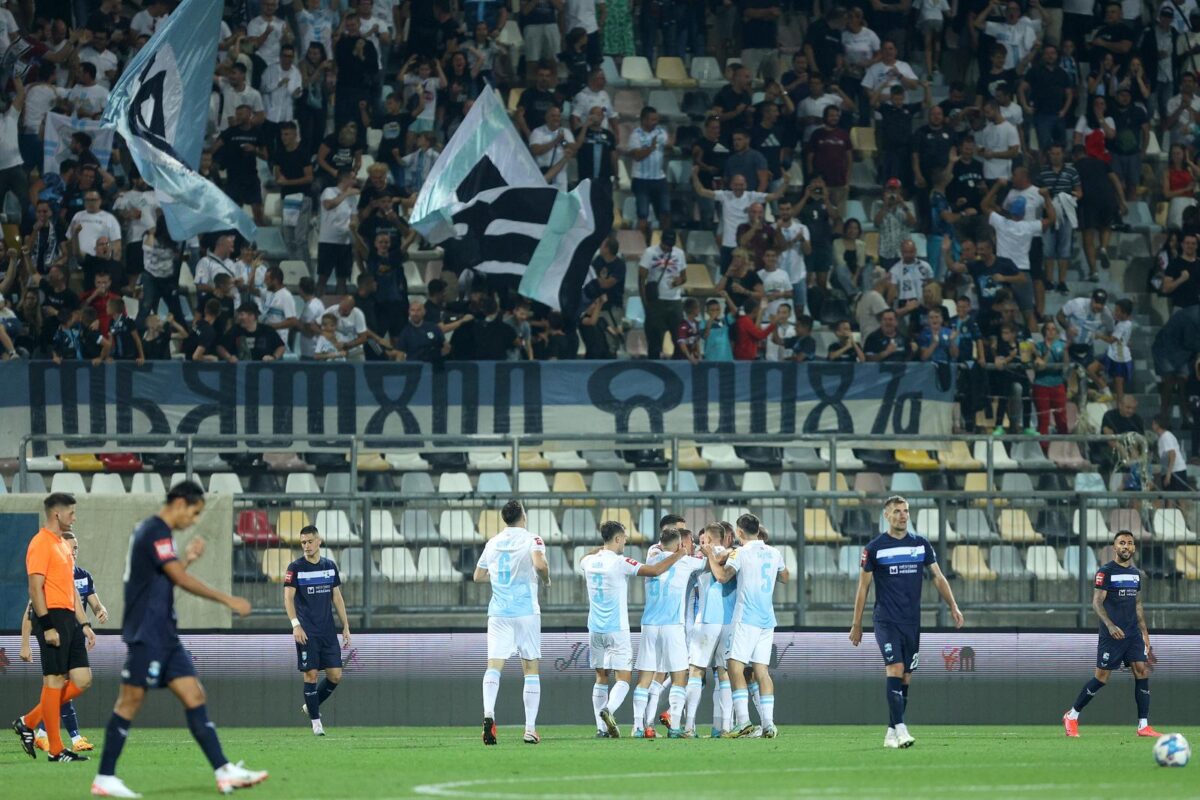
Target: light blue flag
160	108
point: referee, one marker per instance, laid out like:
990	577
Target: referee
60	624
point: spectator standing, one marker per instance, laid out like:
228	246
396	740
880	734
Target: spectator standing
909	275
160	282
735	208
895	221
1132	126
889	71
268	33
238	149
748	163
551	144
422	339
283	86
734	104
590	96
966	189
760	37
540	32
1061	182
1047	96
1183	112
589	15
829	155
999	143
887	343
250	341
777	286
1181	281
334	249
1173	477
357	65
748	332
276	303
311	312
797	246
649	145
536	100
138	207
810	112
756	236
1101	204
1049	383
661	275
895	134
291	164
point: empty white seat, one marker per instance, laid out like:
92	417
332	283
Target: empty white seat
818	560
532	483
457	527
928	520
730	514
642	480
454	483
760	482
1042	561
397	565
230	483
1097	526
148	483
68	482
1000	458
541	522
407	461
351	566
493	483
335	527
434	565
636	71
721	456
301	483
565	460
488	458
1169	526
846	460
107	483
383	527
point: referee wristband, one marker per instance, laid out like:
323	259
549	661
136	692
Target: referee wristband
46	623
295	622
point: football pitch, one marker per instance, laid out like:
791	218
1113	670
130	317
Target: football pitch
805	761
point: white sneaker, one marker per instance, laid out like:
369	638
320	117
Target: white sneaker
236	776
318	728
904	738
889	739
755	732
770	732
111	786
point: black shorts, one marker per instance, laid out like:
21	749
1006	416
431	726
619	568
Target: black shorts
1097	216
334	259
153	667
71	652
1112	653
318	653
1177	483
899	644
247	192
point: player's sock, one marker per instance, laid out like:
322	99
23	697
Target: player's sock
205	734
905	690
311	702
1141	692
752	688
895	701
51	713
727	703
324	689
533	698
640	697
695	689
617	696
675	702
718	716
115	734
70	720
767	707
599	700
1090	689
741	708
491	688
33	717
655	692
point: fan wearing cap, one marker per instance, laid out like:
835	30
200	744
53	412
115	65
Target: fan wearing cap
1082	318
895	220
1014	238
1102	202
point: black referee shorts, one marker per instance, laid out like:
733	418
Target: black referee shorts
71	652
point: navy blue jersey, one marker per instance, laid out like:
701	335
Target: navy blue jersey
314	585
84	584
1120	603
898	566
149	594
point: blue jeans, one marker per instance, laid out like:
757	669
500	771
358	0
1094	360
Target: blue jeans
800	297
689	31
1049	129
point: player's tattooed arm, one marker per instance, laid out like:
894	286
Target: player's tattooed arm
1098	606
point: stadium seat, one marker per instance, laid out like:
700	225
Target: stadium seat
275	561
1000	458
648	522
863	141
971	525
371	462
818	528
3	486
909	484
1020	485
455	483
795	483
383	527
868	483
731	514
532	460
1042	561
818	561
397	565
721	456
338	483
1169	526
695	517
928	522
532	483
493	483
416	527
560	565
608	482
246	568
1006	562
335	527
293	271
488	458
301	483
81	462
1030	457
565	460
611	74
68	482
1093	483
846	460
107	483
804	458
1015	526
636	72
121	462
699	281
779	523
707	72
1187	561
760	482
1066	455
977	482
1097	526
666	102
1071	561
642	481
622	516
489	523
635	315
579	525
702	244
628	103
254	529
406	461
671	71
229	483
824	484
290	523
352	566
689	457
849	560
148	483
287	462
571	483
44	464
434	565
457	527
969	562
1127	519
913	460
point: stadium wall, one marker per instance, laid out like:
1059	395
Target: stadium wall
465	398
105	523
965	677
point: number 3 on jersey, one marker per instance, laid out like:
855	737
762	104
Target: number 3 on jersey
504	569
598	586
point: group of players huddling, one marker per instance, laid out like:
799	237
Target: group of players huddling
709	614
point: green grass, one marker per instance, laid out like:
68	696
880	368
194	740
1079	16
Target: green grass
805	762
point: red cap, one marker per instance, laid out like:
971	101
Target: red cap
892	183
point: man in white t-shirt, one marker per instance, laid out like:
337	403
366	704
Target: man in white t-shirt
311	311
335	255
235	91
267	33
375	29
87	97
97	52
735	207
352	330
12	166
1174	466
277	303
811	110
1183	111
146	21
909	275
592	95
889	71
777	285
1015	233
551	143
92	223
1019	35
999	143
218	261
282	86
662	272
791	260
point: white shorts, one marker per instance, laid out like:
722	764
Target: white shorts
751	645
512	636
541	41
707	648
664	649
611	651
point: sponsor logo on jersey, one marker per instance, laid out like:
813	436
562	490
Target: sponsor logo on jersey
862	560
538	541
288	576
632	563
1099	578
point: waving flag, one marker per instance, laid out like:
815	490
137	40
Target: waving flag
160	107
56	143
486	186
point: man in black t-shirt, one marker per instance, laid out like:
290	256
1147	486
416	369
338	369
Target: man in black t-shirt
1047	96
1181	281
734	104
58	301
596	157
238	149
966	189
250	341
201	342
886	343
291	163
823	41
1113	37
536	101
760	36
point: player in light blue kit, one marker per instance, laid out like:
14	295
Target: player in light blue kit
512	562
757	566
606	573
709	645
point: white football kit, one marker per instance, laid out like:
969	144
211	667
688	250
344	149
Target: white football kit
514	616
757	565
664	645
607	576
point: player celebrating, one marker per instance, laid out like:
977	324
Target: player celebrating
60	624
653	684
87	593
709	642
155	657
757	566
1124	637
512	562
664	646
311	613
607	574
894	561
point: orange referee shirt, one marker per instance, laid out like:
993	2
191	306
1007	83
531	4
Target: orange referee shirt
51	556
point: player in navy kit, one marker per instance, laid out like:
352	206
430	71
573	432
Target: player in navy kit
311	590
895	562
1124	637
155	656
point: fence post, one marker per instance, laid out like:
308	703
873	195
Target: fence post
516	463
1081	622
364	506
188	454
354	464
801	593
23	468
943	619
675	463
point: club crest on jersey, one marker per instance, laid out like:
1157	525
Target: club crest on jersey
538	541
164	548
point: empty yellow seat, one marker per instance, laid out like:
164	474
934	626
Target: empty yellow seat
372	462
622	516
818	527
81	462
490	523
571	482
689	457
699	280
863	140
958	456
514	98
969	562
275	561
533	461
673	74
1016	527
289	525
978	482
913	460
1187	561
823	482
